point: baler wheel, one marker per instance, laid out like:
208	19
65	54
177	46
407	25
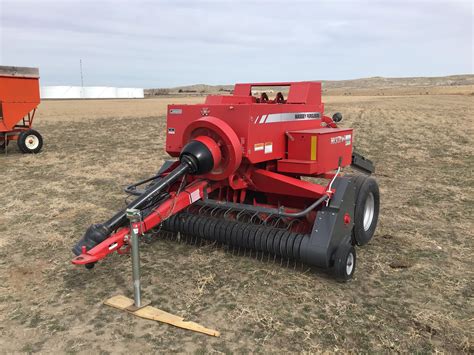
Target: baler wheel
366	211
30	142
345	262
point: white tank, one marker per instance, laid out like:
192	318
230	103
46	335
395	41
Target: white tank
99	92
124	93
90	92
137	93
60	92
130	93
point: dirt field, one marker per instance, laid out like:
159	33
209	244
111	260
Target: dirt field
413	289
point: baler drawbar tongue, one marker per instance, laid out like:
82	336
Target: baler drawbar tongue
196	158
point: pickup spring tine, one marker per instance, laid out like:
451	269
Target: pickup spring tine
226	212
291	224
267	219
253	216
238	215
275	223
213	210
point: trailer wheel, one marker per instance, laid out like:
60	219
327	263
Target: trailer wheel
366	211
30	142
3	142
344	262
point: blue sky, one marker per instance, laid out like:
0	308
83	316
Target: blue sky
171	43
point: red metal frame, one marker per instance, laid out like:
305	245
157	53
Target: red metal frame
176	203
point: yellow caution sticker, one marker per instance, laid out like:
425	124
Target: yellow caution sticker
314	145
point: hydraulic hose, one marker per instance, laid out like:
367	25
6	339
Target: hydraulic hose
120	217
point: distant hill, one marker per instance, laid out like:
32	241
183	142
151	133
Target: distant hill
453	84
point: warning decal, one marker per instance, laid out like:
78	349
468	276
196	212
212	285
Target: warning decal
348	139
194	196
268	147
258	146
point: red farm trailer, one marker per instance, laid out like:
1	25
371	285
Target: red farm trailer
19	98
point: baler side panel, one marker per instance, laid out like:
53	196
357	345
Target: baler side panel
180	116
317	151
308	93
268	125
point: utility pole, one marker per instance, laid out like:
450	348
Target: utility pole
82	77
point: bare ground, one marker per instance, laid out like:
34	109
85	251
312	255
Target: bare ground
413	289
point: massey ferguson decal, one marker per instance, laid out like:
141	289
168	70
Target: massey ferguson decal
339	139
285	117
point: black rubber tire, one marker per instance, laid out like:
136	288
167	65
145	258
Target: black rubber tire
22	144
337	117
360	235
341	260
89	266
3	143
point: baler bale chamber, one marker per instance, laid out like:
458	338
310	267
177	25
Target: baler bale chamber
238	180
19	99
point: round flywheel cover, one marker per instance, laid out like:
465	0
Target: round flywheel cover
225	137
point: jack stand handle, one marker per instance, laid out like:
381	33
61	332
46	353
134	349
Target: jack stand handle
134	216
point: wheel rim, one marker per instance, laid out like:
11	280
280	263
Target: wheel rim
350	264
369	209
31	142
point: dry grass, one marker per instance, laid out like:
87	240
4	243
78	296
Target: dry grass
413	290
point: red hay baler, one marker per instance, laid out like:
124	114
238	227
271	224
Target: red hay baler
238	180
19	98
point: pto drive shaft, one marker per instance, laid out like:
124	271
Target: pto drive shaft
196	158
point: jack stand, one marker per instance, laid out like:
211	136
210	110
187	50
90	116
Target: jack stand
135	218
139	307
